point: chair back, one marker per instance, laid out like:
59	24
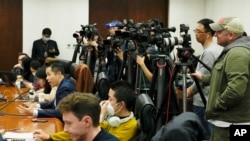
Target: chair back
145	111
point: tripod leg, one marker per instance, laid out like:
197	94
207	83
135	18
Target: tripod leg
184	87
199	88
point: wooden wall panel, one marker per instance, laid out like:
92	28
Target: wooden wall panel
10	32
143	10
103	11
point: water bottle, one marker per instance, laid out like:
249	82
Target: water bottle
41	97
31	95
18	81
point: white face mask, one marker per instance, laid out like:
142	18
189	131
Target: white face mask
46	39
110	109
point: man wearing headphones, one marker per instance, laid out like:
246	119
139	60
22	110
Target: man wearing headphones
116	112
116	115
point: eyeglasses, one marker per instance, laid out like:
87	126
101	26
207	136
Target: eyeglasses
198	31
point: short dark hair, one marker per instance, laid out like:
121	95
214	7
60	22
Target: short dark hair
46	31
205	22
41	73
57	66
22	53
35	64
81	104
124	92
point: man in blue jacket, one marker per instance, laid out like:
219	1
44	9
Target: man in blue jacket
55	77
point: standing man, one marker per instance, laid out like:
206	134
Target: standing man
229	92
204	35
115	52
81	112
55	77
44	47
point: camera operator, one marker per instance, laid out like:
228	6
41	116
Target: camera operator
114	54
146	61
91	44
153	50
204	35
229	92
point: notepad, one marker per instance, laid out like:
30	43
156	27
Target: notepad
18	136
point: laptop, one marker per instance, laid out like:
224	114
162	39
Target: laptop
7	78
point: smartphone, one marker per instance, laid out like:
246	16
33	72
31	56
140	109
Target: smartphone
39	120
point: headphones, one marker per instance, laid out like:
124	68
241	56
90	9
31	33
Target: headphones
115	121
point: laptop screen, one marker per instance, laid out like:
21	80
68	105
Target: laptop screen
7	78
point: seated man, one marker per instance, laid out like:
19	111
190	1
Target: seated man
81	113
55	77
121	121
18	68
121	96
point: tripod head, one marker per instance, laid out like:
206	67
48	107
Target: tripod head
186	52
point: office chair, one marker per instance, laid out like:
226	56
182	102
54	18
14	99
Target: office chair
145	111
184	127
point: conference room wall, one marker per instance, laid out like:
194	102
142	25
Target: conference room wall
65	17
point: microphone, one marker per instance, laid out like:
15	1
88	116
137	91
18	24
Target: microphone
8	102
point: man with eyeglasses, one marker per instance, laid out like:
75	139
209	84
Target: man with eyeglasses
229	92
211	51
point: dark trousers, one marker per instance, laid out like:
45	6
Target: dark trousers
200	111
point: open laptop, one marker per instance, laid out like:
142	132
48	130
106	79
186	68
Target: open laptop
7	78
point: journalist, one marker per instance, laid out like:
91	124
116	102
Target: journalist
44	47
211	51
229	92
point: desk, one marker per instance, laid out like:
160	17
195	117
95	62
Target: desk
14	120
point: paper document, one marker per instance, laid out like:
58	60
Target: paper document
13	135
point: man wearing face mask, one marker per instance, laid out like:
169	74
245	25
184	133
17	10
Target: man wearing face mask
44	47
120	120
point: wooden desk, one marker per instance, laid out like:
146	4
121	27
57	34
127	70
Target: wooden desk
12	119
11	92
24	124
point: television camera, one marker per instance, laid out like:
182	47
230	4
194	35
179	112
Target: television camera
87	31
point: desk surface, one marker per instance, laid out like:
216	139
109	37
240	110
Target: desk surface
11	119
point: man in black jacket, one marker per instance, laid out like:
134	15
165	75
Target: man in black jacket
44	47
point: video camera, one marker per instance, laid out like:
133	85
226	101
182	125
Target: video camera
87	31
184	40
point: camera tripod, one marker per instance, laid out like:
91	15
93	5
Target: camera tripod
162	92
128	63
185	55
102	82
76	51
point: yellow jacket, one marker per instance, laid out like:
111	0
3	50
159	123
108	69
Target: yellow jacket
126	131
